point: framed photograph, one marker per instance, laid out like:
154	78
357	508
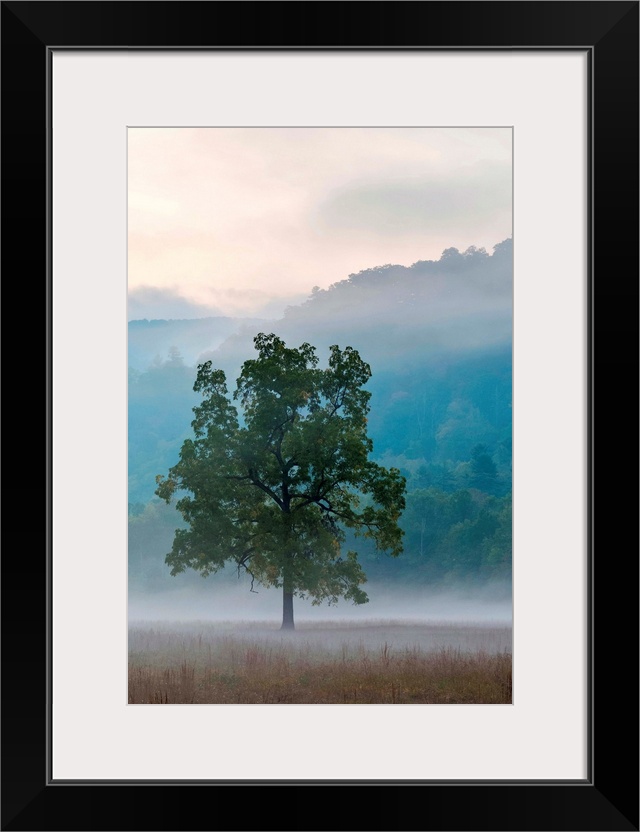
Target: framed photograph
350	496
110	110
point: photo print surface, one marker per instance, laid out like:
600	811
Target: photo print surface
320	423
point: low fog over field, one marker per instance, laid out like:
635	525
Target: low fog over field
338	662
230	601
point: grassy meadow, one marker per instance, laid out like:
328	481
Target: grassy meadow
339	662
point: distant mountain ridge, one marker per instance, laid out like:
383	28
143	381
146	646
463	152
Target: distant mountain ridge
400	314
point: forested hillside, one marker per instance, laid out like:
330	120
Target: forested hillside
437	336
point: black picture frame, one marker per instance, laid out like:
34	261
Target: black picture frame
608	798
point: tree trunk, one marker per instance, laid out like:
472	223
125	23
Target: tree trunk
287	610
287	597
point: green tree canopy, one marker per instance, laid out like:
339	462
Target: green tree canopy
274	490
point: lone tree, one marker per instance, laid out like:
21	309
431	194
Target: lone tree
275	491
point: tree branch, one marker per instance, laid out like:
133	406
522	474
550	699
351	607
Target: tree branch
266	489
243	563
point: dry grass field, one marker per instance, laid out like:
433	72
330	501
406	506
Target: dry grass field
369	662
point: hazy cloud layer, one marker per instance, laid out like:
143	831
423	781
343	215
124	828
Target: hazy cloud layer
161	304
475	198
169	304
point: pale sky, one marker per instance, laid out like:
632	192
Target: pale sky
245	221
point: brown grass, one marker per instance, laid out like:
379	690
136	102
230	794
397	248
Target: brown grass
322	665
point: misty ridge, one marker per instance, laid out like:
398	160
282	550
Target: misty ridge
438	337
461	302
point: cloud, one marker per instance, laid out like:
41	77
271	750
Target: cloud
153	303
473	198
164	304
274	211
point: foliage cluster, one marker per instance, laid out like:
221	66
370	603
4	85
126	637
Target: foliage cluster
274	488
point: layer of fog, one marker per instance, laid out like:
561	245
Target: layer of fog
153	640
227	601
152	340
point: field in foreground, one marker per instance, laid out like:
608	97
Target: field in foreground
320	663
